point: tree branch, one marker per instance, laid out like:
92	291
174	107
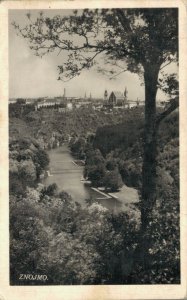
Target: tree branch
167	64
82	67
123	20
174	103
118	74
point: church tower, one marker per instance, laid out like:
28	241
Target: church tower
125	93
105	95
64	95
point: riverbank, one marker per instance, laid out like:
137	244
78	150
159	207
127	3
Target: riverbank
127	196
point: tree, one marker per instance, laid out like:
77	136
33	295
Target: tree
95	173
27	171
20	101
146	40
41	161
78	147
50	190
113	180
170	85
95	167
94	157
111	163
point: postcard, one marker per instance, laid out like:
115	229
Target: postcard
93	150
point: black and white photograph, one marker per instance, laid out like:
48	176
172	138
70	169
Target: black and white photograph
93	146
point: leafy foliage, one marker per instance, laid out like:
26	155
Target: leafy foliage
122	135
27	162
52	235
136	36
68	243
113	181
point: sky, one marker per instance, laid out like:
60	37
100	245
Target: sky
31	76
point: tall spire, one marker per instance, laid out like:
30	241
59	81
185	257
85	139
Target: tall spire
64	93
125	93
105	95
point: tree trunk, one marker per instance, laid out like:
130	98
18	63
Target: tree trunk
150	145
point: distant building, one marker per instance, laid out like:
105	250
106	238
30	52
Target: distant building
117	98
44	103
22	101
29	101
60	98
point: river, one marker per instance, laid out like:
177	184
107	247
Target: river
67	175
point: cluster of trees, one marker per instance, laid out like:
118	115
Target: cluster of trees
78	146
100	172
83	121
163	231
50	127
119	148
127	157
126	149
122	135
27	161
102	166
19	109
51	234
